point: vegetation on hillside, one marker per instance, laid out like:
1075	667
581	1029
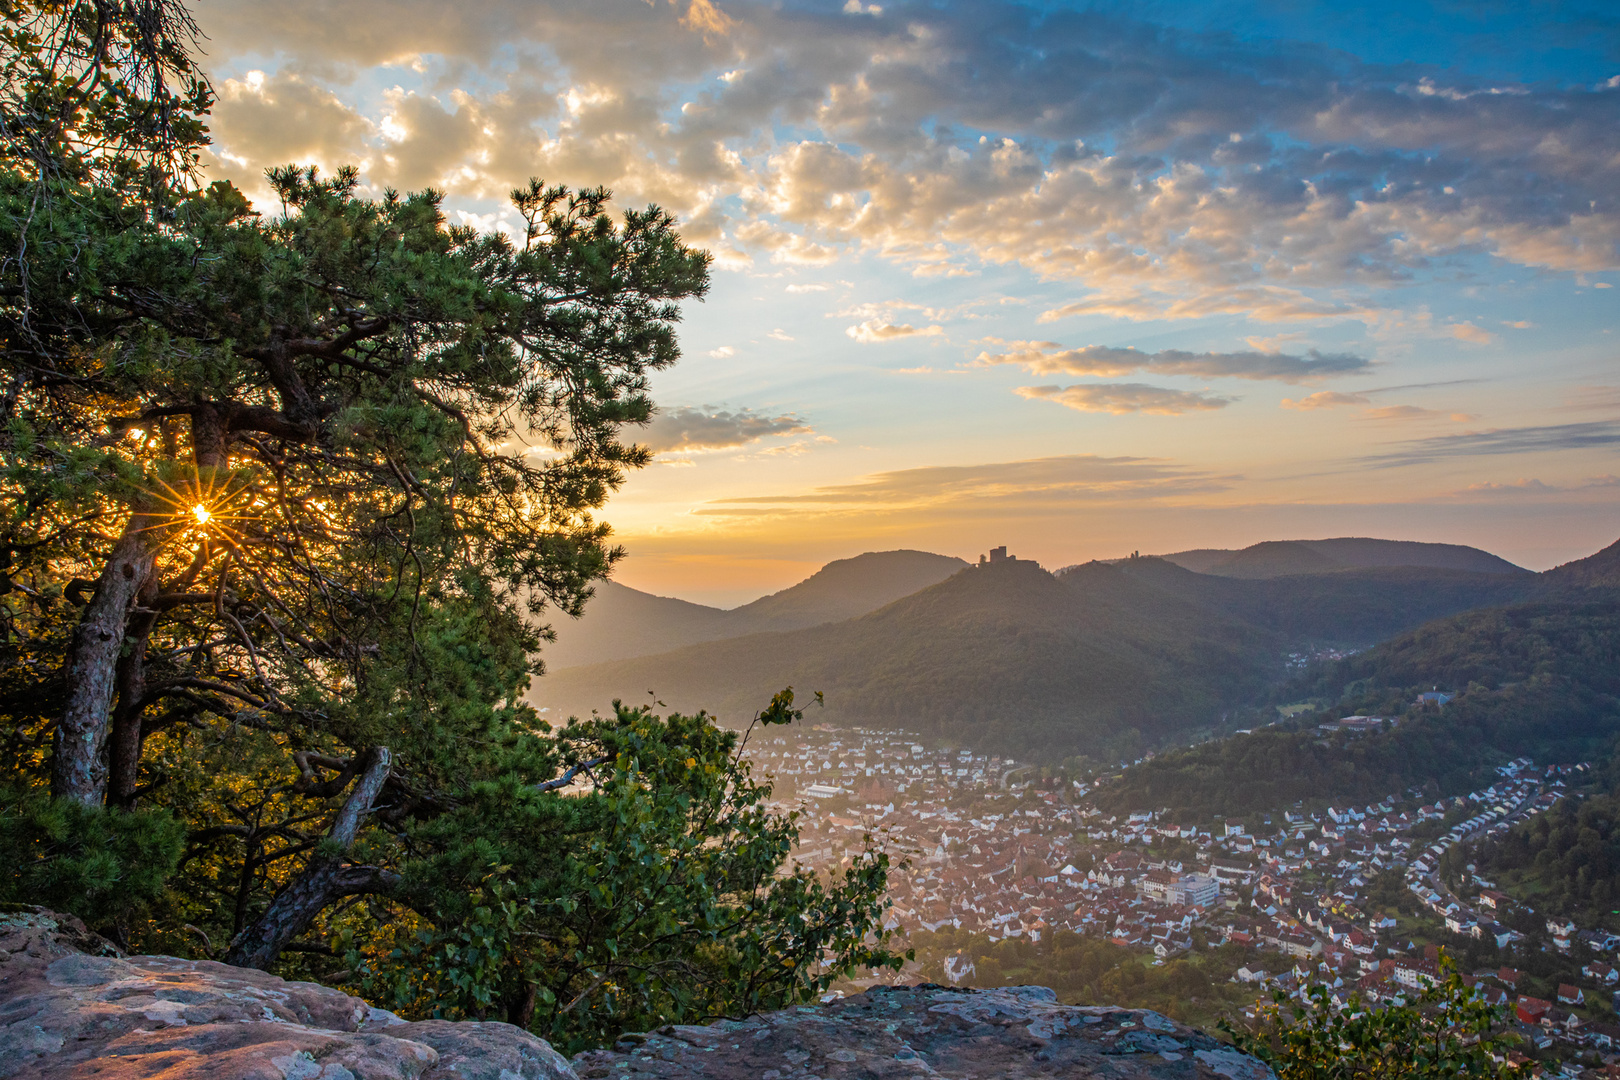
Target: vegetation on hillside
1107	660
1006	657
1195	989
1348	608
1565	862
1539	679
1277	558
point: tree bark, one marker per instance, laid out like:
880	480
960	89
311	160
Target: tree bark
124	756
79	754
326	880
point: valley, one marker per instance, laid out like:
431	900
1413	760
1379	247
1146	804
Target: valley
1322	843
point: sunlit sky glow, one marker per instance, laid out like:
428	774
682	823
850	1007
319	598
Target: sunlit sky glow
1079	280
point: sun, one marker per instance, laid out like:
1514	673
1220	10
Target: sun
202	506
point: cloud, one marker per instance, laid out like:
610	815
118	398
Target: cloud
1593	399
1401	413
687	429
817	287
1536	439
1516	487
1467	331
1326	399
1332	399
263	120
1268	303
924	370
1274	342
1533	487
784	245
1046	358
779	335
793	449
875	330
1121	398
1421	386
707	19
1091	147
723	352
1051	480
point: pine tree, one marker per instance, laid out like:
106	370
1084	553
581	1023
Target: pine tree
286	496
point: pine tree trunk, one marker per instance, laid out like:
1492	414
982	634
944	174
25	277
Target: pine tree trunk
79	758
325	881
124	755
80	766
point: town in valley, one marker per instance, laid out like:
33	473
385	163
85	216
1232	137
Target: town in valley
990	849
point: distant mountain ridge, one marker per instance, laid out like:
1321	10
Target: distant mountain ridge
1006	654
846	588
1352	607
1277	558
1105	658
621	622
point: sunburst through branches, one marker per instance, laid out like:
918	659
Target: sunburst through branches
209	504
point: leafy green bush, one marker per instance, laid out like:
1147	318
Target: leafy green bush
1443	1030
656	893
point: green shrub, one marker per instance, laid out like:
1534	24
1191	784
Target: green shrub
1441	1031
101	865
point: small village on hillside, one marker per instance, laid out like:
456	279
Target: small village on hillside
982	844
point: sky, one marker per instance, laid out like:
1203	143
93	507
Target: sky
1080	279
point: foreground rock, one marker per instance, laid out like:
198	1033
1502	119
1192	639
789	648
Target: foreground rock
929	1031
70	1006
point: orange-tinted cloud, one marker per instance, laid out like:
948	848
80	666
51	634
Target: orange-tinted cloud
1121	398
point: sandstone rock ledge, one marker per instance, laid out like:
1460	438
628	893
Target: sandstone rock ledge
71	1007
925	1031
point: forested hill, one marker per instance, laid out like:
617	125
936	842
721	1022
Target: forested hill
1356	607
1363	593
1567	859
1601	570
621	622
1105	659
846	589
1540	678
1276	558
1006	656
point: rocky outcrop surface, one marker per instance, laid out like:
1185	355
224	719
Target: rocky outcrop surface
70	1006
929	1031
